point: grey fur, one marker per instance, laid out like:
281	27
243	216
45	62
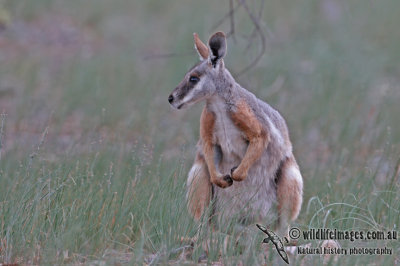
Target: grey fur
253	197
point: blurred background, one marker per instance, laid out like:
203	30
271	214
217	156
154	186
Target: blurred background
94	160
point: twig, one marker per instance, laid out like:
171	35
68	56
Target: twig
231	11
232	20
260	33
253	33
232	33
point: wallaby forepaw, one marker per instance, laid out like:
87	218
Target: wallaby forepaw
237	176
222	181
228	180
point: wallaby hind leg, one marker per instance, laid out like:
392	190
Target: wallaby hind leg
289	194
199	188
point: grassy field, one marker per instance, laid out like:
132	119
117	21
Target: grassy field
93	160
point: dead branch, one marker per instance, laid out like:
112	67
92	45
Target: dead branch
254	31
232	20
228	15
257	31
260	33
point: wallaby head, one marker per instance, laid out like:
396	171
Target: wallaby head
200	82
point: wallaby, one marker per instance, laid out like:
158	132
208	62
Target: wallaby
244	157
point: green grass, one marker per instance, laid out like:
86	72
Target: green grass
94	161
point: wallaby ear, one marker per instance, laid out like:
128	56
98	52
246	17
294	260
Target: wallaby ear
217	44
201	48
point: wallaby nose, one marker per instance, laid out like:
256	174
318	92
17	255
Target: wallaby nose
170	98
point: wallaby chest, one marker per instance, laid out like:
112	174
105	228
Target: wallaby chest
226	134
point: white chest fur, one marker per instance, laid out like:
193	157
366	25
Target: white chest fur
230	139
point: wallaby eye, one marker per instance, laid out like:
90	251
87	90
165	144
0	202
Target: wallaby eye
194	79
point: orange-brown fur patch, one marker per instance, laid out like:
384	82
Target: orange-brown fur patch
247	122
